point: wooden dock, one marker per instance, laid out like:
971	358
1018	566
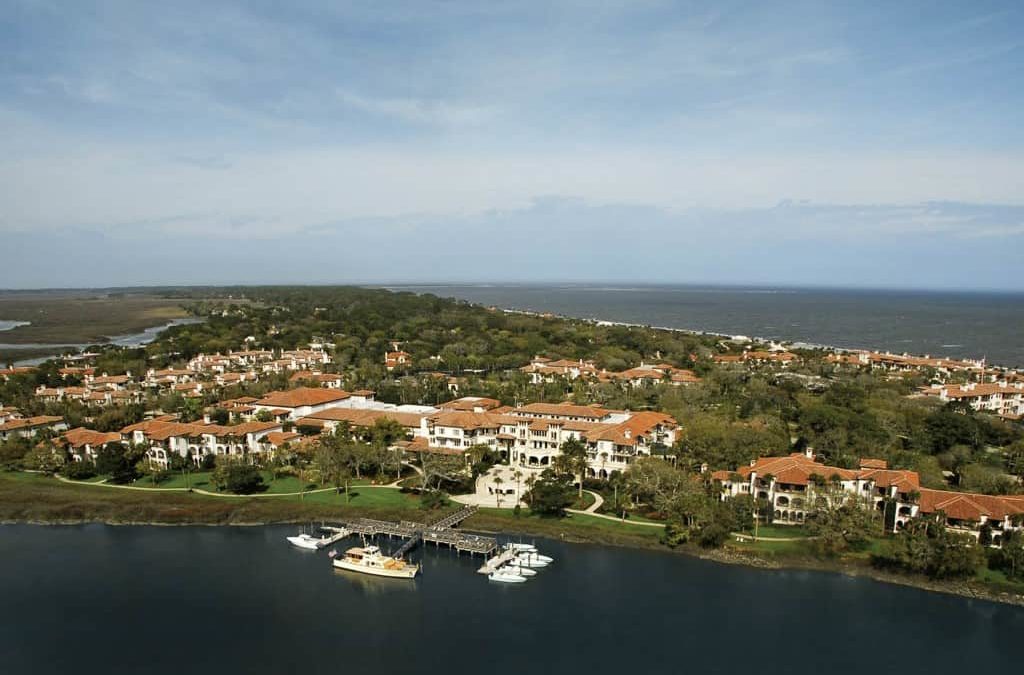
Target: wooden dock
493	563
439	533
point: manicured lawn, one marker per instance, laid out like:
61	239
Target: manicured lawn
196	479
780	531
370	497
573	524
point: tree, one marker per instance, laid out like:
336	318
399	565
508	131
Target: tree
237	477
45	458
839	522
551	494
118	462
573	460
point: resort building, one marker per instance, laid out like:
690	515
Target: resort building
792	486
1001	398
166	437
397	359
302	402
30	427
83	444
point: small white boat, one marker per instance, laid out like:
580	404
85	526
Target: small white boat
525	561
506	577
520	570
533	555
307	541
521	547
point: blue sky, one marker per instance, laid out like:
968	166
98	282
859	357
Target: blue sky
866	144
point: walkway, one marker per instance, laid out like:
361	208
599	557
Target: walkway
598	501
208	493
614	519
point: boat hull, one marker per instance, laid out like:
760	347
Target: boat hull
308	544
407	572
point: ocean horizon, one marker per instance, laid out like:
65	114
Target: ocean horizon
968	324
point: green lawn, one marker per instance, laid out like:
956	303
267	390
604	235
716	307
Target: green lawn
369	497
780	531
573	524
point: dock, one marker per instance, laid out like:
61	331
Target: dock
337	534
441	532
492	564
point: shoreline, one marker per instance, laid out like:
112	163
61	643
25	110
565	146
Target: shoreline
968	589
795	344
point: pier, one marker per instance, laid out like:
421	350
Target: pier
439	533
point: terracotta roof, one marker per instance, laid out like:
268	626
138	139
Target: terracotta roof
969	506
361	417
303	396
468	403
278	438
562	409
468	420
80	436
29	422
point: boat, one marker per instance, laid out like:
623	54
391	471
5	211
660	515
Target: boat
515	568
369	560
529	561
533	555
506	577
521	547
308	541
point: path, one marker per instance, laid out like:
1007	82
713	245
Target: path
740	536
614	519
208	493
598	501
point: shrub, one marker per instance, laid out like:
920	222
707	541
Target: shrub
79	470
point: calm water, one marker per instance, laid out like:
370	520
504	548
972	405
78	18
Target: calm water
98	599
129	340
971	325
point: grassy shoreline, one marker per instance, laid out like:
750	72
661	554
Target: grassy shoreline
35	499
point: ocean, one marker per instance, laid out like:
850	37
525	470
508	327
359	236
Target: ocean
939	323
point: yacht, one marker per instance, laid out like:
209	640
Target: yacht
369	560
506	577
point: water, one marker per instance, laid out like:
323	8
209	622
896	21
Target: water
959	325
11	325
99	599
129	340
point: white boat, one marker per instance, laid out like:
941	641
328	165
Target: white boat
533	555
530	561
506	577
308	541
369	560
521	547
519	569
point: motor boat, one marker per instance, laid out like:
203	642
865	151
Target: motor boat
307	541
369	560
521	547
515	568
506	577
529	561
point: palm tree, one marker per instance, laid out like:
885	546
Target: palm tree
530	481
517	475
497	491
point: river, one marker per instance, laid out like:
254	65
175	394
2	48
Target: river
100	599
128	340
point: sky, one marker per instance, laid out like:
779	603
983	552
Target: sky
784	143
